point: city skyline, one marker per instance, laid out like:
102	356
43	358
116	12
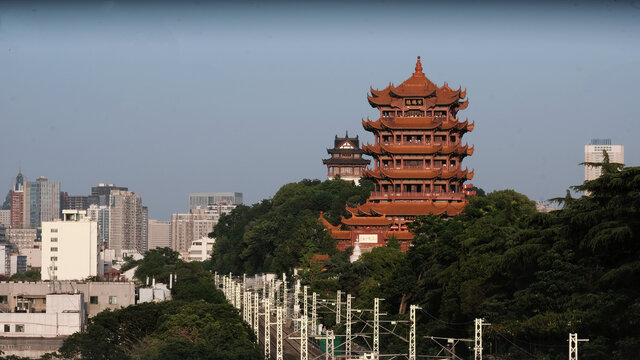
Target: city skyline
172	99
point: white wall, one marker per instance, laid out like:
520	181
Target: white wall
76	250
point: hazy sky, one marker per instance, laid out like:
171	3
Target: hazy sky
173	98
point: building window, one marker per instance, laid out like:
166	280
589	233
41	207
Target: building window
19	327
54	230
54	249
7	328
54	258
54	239
113	300
93	299
4	299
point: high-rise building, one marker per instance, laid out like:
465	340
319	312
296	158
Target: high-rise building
127	222
22	238
41	202
594	153
159	234
69	202
204	199
100	194
5	218
417	158
346	159
198	223
17	202
100	214
70	249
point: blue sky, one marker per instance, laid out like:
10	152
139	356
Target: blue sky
171	98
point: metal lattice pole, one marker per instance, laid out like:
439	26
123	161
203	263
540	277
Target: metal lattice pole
348	337
412	332
279	353
314	314
267	328
376	326
477	349
573	346
256	315
304	335
338	300
284	297
330	349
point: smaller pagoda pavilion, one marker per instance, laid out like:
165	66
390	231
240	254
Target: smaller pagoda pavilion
346	159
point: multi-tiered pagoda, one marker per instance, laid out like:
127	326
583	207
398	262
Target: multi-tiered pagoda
417	154
346	160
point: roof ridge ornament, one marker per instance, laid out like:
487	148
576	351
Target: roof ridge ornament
418	67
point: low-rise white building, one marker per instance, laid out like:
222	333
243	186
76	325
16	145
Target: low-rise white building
70	249
65	314
201	249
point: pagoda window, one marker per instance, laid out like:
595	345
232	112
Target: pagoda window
330	169
386	113
346	170
386	139
453	163
452	138
398	188
414	113
386	163
413	164
398	138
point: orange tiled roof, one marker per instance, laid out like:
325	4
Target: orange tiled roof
416	149
418	174
418	85
412	208
421	123
367	220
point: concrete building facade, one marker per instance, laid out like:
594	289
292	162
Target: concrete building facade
98	296
70	249
186	228
594	153
5	218
201	249
159	234
127	222
204	199
23	238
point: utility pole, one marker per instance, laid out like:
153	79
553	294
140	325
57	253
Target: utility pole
314	315
338	300
348	337
267	328
279	333
329	355
256	318
376	326
477	350
412	332
573	345
304	335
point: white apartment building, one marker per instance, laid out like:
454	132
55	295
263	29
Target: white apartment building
593	152
70	249
201	249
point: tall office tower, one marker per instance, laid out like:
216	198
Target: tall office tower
69	202
17	202
100	214
70	249
159	234
127	222
198	223
100	194
593	152
41	202
204	199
